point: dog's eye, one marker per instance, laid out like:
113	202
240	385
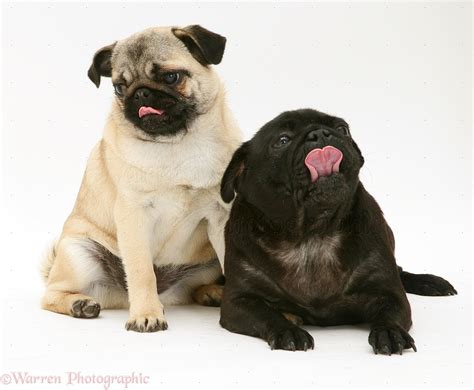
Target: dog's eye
119	89
171	78
282	141
343	129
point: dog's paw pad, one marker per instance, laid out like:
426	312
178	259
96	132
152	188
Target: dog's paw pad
291	339
85	308
209	295
146	324
390	340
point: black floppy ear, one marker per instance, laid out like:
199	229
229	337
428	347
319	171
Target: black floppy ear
356	147
205	46
233	173
101	65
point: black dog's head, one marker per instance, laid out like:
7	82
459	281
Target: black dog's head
301	160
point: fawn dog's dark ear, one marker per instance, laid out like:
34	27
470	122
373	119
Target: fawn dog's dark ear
204	45
101	65
233	174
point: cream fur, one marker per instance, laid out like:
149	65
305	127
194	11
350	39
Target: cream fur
148	202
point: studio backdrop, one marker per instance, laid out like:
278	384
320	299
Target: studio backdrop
400	73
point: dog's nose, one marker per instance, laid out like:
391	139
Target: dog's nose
142	93
318	135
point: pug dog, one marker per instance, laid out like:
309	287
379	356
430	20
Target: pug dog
305	242
147	226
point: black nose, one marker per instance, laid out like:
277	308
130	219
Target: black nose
142	93
318	135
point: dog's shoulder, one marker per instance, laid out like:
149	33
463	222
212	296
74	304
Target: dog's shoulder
367	223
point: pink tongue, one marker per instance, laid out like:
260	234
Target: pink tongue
144	110
323	162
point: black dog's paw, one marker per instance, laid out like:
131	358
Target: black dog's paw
426	284
85	308
291	339
390	339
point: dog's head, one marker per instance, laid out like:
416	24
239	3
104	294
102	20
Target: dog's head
162	77
301	160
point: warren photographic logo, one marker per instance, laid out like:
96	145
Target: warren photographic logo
73	378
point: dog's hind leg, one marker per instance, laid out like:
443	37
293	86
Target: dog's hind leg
201	283
76	305
426	284
74	281
209	295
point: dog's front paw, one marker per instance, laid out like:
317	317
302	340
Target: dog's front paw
149	322
85	308
291	339
390	339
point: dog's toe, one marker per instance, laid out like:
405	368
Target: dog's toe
146	324
291	339
388	340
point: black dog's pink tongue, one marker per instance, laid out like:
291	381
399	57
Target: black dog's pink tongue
323	162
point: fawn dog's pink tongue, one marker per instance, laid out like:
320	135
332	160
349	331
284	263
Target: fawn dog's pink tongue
323	162
145	110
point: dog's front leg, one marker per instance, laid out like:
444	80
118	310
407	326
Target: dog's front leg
211	294
134	236
251	315
390	320
215	230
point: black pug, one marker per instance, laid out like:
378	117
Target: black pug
306	241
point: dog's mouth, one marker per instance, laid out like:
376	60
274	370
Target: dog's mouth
146	110
323	162
159	113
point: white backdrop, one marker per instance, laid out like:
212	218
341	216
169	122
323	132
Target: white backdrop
399	73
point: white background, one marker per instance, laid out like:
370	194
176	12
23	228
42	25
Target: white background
399	73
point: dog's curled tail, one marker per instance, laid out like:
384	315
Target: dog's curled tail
48	261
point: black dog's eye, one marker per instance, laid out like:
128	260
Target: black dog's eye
343	129
119	89
282	141
171	78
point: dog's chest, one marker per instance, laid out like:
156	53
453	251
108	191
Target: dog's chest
194	161
179	223
312	269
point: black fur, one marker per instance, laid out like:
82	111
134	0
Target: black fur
321	250
205	46
101	65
